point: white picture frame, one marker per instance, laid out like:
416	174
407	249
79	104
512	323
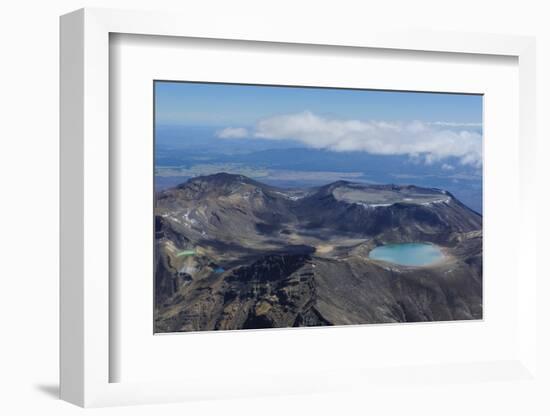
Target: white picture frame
85	210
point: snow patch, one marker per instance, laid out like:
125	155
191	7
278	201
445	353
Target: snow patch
291	197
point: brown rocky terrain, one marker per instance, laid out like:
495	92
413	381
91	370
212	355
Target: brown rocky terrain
233	253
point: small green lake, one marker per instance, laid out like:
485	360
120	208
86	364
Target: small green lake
408	254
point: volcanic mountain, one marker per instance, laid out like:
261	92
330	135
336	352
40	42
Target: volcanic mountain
234	253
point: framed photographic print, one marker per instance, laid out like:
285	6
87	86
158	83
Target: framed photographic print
280	212
280	206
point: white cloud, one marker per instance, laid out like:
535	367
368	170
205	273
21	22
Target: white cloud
428	141
446	166
232	133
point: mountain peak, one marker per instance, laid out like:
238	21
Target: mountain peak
222	177
219	183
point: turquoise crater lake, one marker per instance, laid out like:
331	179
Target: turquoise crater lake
408	254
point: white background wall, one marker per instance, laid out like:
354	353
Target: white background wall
29	202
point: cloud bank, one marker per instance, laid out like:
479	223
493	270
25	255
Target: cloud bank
233	133
431	142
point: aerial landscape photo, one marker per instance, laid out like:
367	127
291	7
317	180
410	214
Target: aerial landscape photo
281	207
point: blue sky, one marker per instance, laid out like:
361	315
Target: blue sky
181	103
